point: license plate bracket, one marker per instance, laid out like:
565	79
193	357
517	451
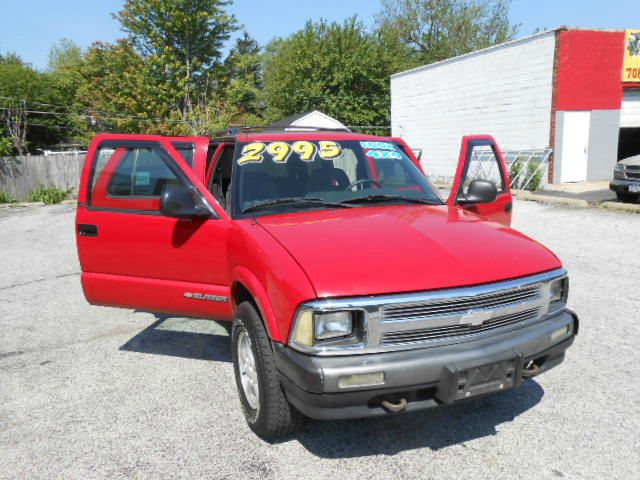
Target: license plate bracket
469	380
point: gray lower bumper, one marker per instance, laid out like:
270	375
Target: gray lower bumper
622	186
311	382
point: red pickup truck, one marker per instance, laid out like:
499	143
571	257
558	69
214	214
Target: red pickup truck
354	289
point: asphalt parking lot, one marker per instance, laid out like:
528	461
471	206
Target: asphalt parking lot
89	392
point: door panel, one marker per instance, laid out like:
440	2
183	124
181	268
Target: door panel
575	146
480	158
135	257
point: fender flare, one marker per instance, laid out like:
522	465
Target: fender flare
242	275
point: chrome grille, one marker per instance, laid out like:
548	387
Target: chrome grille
426	334
633	173
440	317
459	305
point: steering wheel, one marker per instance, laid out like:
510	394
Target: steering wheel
362	182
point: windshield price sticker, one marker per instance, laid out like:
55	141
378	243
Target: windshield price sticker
281	151
377	146
385	154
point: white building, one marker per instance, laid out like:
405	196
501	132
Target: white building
562	90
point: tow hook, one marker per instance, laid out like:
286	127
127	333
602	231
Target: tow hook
530	370
395	406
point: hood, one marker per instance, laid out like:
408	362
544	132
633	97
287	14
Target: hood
404	248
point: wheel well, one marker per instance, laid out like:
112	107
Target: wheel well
239	294
242	294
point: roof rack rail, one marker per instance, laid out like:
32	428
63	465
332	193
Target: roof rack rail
275	128
232	131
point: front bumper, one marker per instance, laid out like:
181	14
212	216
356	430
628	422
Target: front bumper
419	376
622	186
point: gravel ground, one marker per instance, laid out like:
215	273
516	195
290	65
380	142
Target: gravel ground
88	392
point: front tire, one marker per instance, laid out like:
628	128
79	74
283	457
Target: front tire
627	197
265	406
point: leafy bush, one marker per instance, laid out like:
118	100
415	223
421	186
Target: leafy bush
516	167
6	145
536	177
49	195
531	178
6	198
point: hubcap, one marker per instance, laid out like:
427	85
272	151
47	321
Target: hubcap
248	373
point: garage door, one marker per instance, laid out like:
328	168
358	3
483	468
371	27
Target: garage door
630	113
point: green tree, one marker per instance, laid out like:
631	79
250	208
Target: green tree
244	82
6	144
120	94
426	31
181	41
65	71
28	106
65	54
339	69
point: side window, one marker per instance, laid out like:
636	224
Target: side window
483	164
141	173
220	185
187	150
129	178
102	157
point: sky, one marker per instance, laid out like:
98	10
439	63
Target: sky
30	27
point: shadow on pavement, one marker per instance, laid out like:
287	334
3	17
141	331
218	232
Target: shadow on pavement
435	428
198	345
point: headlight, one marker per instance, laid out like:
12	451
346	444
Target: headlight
618	171
315	329
332	325
558	291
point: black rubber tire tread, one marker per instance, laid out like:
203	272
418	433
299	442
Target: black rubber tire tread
627	197
276	416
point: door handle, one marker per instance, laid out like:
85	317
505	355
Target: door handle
86	230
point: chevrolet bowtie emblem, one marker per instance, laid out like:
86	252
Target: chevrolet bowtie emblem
475	318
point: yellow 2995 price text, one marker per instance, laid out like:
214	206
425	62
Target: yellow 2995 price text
281	151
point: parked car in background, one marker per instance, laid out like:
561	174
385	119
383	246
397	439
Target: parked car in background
353	288
626	179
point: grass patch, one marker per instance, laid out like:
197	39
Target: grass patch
6	198
49	195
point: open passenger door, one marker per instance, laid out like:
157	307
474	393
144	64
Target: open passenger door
481	159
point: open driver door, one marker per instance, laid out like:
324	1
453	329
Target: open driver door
481	162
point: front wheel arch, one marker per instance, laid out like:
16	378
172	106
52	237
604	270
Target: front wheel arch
247	288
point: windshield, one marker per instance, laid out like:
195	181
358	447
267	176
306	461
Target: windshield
277	176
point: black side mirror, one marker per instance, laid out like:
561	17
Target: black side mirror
480	191
177	201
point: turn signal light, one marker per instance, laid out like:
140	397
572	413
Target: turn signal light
361	380
561	332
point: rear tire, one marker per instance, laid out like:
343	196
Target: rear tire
264	403
627	197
